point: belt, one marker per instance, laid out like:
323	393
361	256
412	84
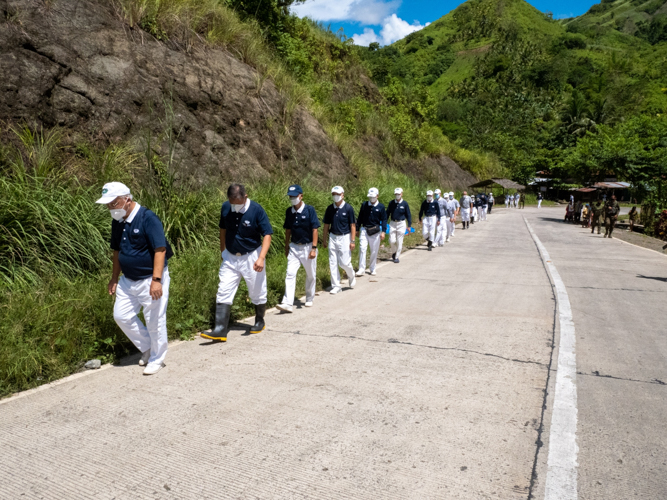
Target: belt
302	244
339	234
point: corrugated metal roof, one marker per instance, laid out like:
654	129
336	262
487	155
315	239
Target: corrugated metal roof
612	185
506	183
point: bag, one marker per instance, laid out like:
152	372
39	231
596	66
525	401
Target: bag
370	231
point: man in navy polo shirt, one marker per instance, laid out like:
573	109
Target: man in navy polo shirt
141	252
371	226
245	238
301	224
429	218
399	212
339	236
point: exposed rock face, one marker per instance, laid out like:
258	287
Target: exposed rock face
76	65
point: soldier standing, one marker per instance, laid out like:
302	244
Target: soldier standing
598	217
611	211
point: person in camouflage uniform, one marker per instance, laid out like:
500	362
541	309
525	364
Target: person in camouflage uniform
611	211
598	216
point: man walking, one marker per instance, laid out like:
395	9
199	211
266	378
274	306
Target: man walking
611	211
466	207
398	212
429	218
301	225
141	251
457	207
598	216
539	200
522	199
245	238
491	200
483	206
339	236
441	231
371	226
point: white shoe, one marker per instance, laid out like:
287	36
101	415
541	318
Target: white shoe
374	273
353	282
447	240
335	290
284	307
309	304
153	368
144	358
360	273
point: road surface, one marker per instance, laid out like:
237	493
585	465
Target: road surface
434	380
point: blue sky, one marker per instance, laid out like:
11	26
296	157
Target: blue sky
386	21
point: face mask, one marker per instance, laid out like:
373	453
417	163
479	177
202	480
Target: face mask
373	200
451	197
294	200
237	208
118	213
337	198
437	196
398	197
429	198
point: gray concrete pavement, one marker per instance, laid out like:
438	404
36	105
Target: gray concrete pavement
425	383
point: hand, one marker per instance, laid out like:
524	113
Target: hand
437	223
286	251
352	245
156	290
382	235
325	243
313	254
113	284
259	265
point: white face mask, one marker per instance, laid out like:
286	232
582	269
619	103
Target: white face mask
118	213
398	197
237	208
373	200
294	200
337	198
429	198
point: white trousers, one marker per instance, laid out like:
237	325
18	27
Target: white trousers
475	214
297	257
465	215
340	255
429	225
442	232
396	235
482	212
453	227
507	203
450	228
539	203
131	296
235	267
364	242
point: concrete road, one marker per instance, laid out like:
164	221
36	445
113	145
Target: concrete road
425	382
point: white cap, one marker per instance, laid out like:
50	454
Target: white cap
337	189
373	193
398	191
451	193
111	191
437	191
429	193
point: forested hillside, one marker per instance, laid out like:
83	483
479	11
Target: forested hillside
581	98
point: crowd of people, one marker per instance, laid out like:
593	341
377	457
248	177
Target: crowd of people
141	252
601	212
518	200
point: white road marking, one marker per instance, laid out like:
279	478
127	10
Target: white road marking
561	481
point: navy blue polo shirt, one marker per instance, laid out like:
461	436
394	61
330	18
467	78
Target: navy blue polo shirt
339	218
136	242
301	224
244	231
399	211
370	215
429	209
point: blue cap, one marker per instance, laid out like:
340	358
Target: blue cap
294	190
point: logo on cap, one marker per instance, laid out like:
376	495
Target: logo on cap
105	191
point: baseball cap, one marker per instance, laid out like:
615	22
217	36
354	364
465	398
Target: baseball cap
437	191
398	191
429	193
451	193
111	191
373	193
294	190
337	189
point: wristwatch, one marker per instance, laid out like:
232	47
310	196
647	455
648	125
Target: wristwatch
159	280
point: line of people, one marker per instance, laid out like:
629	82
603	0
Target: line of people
597	214
140	276
518	200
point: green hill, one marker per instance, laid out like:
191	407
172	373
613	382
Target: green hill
511	81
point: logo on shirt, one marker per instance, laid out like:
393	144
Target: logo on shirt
303	216
246	223
343	213
136	231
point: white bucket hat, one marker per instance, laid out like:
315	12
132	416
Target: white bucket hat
111	191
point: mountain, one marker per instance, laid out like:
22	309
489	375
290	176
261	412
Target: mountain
511	81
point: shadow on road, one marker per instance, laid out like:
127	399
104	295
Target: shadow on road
664	280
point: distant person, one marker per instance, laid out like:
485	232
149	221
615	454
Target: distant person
539	200
301	236
400	218
522	200
569	213
141	252
491	200
597	217
508	200
632	217
441	232
577	211
466	209
339	236
371	226
429	218
474	215
611	211
245	239
457	210
483	206
572	199
585	215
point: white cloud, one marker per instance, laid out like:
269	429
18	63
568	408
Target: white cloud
360	11
393	28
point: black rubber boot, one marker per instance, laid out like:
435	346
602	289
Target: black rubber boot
259	325
219	332
430	245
